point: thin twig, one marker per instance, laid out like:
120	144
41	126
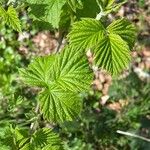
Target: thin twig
133	135
100	6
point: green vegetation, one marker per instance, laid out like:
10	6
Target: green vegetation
77	92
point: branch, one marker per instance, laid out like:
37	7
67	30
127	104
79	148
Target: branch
133	135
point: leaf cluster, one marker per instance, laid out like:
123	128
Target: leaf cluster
10	17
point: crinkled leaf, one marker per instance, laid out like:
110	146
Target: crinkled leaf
58	105
38	72
112	54
109	6
11	18
50	147
44	137
20	139
112	43
71	70
2	11
62	76
47	11
124	29
86	33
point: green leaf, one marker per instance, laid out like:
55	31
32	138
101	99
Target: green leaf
2	11
44	137
27	147
109	6
65	19
86	33
38	72
75	4
41	139
50	147
11	18
110	45
47	11
15	137
124	29
58	105
112	54
71	70
63	77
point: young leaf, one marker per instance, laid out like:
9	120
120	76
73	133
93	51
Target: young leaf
62	76
75	4
47	11
108	3
86	33
44	137
124	29
11	18
41	139
112	54
109	6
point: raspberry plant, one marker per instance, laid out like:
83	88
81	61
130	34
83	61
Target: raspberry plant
63	77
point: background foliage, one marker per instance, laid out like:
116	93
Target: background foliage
121	103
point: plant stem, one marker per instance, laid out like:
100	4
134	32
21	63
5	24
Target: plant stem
33	125
60	39
100	6
133	135
101	13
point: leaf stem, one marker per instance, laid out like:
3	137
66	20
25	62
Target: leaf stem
101	13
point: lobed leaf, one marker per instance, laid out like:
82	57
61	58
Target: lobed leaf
45	136
110	45
62	78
